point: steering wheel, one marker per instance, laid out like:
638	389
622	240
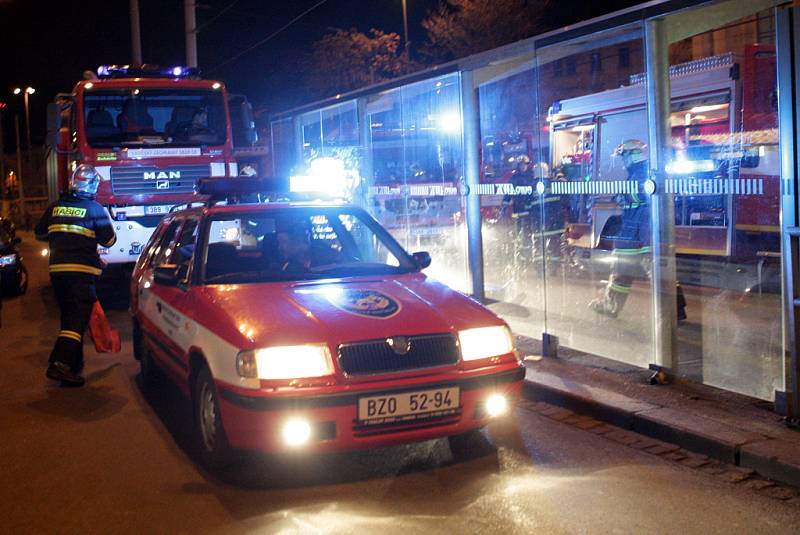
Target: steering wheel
189	129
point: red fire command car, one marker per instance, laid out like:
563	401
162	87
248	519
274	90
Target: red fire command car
307	326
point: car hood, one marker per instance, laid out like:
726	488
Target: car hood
258	315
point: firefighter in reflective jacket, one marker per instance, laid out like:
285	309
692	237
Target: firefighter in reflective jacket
74	226
632	254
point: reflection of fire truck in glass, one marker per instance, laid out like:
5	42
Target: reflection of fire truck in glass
416	191
151	134
724	169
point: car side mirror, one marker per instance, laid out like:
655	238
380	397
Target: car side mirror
166	275
422	258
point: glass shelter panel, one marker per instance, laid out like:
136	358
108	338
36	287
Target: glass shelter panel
340	132
311	124
416	187
595	217
283	147
724	179
331	151
511	164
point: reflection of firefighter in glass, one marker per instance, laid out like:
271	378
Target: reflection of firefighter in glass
539	219
521	177
518	205
632	254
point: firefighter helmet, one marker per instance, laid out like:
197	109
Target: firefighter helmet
84	181
632	151
541	171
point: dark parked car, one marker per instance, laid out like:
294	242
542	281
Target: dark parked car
13	275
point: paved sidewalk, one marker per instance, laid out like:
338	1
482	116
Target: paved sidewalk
726	426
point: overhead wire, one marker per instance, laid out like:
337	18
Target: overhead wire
269	37
218	15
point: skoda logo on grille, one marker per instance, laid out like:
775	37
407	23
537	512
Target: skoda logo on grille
399	344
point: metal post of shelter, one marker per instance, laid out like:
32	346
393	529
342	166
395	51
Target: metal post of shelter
297	125
661	203
365	148
471	142
788	70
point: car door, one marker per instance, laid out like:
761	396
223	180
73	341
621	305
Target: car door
159	303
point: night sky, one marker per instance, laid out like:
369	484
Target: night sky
48	47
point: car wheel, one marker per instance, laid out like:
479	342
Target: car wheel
470	445
212	442
147	368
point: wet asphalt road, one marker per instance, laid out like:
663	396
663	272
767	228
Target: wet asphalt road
111	458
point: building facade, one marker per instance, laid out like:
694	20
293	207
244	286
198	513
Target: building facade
625	187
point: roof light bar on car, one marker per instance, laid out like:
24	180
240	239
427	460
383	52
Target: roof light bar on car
146	71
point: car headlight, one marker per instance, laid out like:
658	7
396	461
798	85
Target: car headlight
8	260
485	342
285	362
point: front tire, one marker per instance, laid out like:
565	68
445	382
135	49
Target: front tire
215	452
147	368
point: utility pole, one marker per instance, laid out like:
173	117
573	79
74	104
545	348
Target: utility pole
19	173
405	24
136	36
190	24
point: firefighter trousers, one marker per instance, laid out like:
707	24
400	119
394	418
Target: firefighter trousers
628	265
76	294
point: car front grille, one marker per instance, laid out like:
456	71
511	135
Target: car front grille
378	356
143	180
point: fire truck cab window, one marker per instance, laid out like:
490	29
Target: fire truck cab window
161	117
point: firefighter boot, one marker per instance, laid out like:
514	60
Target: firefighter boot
612	302
58	371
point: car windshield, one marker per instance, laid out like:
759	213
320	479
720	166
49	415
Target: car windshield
299	245
136	117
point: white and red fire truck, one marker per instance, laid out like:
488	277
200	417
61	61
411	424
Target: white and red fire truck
151	133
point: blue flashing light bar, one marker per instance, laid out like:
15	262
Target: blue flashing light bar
146	71
249	190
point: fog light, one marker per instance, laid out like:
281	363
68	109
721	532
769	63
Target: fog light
296	432
496	405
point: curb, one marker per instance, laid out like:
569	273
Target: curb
747	450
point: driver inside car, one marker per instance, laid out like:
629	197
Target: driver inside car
294	245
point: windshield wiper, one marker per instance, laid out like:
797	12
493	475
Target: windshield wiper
358	268
266	275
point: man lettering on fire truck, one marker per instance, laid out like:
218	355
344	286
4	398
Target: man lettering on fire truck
74	226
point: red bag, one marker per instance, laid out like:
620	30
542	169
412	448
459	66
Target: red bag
106	338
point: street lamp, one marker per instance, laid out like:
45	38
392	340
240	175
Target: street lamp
28	91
